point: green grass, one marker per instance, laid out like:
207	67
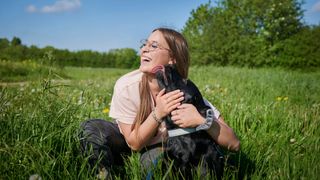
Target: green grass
11	71
274	112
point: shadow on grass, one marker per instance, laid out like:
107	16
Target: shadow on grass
239	166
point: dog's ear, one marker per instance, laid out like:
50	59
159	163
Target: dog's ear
159	72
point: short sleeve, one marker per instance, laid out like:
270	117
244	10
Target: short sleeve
122	108
125	101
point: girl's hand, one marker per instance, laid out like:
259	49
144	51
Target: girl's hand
165	103
187	116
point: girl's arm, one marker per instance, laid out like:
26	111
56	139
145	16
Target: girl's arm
188	116
139	138
224	135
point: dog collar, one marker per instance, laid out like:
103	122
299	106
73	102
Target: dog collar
180	131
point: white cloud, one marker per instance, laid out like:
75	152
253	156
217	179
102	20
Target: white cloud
61	5
316	7
58	6
31	9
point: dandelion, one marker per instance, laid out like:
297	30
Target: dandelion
35	177
279	98
285	98
292	140
105	110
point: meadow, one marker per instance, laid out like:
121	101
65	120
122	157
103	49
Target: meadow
274	112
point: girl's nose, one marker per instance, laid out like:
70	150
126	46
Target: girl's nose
144	49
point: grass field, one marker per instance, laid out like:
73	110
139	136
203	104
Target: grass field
274	112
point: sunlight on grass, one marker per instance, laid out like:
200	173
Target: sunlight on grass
274	112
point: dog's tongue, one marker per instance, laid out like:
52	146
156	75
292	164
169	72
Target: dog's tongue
157	68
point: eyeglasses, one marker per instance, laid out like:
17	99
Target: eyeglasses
152	46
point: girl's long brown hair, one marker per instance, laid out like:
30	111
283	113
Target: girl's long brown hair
179	51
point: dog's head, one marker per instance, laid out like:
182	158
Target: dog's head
168	77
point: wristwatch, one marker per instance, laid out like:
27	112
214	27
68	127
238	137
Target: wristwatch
209	119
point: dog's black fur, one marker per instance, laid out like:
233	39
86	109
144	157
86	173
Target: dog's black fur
190	150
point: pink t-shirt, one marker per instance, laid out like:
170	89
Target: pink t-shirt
126	102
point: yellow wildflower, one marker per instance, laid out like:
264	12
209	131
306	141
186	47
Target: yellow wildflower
279	98
285	98
106	110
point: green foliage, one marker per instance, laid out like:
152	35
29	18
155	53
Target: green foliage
274	112
195	32
16	51
249	33
4	43
124	58
302	49
16	41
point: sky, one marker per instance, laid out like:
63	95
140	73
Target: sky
100	25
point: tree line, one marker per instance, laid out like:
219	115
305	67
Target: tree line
253	33
14	50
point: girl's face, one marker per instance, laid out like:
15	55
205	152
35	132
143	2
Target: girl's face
154	51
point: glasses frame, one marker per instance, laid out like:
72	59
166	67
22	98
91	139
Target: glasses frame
149	45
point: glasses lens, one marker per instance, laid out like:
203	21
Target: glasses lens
143	43
154	45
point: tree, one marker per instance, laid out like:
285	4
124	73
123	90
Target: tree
124	58
302	49
195	33
4	43
242	32
16	41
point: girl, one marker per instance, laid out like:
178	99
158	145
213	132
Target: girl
138	106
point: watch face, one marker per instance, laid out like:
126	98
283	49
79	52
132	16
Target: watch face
209	117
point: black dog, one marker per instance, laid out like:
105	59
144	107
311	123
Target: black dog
192	149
